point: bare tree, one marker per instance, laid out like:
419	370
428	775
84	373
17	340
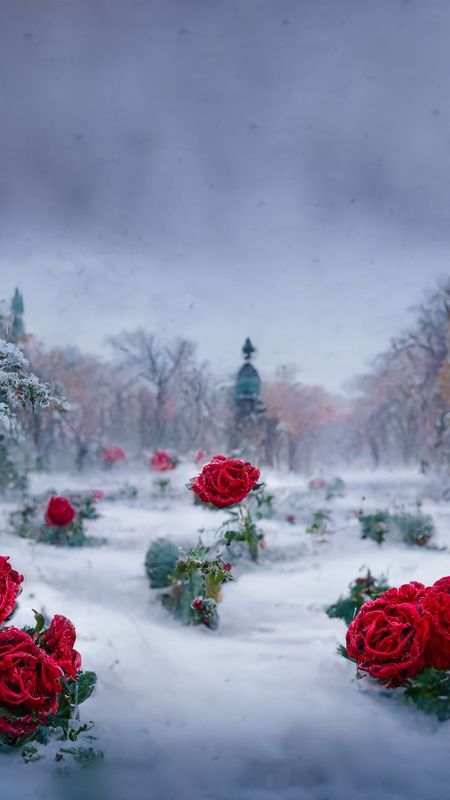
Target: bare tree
145	357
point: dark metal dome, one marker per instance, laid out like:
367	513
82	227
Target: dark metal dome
248	382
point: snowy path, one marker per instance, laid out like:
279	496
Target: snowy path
263	709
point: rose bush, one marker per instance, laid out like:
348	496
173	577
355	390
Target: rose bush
225	481
41	682
402	638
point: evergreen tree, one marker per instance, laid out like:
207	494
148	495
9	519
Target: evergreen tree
18	388
17	327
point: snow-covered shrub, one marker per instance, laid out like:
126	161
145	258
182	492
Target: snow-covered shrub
319	523
85	504
160	562
161	486
196	584
334	488
415	529
412	528
374	526
125	492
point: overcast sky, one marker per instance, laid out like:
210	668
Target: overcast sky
223	168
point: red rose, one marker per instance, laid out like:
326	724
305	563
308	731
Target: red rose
225	481
28	678
442	585
60	511
407	593
388	640
112	453
436	605
97	495
58	642
10	588
162	461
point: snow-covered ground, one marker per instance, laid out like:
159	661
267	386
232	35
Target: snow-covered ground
262	709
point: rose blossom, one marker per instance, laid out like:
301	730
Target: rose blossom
29	678
407	593
58	642
161	461
112	453
388	638
225	481
10	588
442	585
436	604
60	511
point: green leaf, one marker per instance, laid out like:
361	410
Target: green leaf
86	685
40	621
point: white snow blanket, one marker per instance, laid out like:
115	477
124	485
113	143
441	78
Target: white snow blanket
262	709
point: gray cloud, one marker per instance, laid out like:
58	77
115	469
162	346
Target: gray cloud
218	168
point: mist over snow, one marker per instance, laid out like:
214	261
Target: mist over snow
220	169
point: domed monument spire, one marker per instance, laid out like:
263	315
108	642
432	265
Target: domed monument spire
248	349
247	388
248	408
